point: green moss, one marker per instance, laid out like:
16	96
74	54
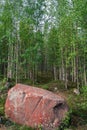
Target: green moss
2	102
45	86
19	127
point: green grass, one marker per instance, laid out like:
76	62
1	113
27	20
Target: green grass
19	127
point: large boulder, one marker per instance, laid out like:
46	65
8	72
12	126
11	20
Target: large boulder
35	107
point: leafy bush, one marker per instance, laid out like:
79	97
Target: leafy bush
83	103
66	121
84	89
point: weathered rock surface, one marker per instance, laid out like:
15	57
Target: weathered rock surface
76	91
33	107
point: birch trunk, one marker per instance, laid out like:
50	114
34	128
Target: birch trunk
85	77
55	72
10	61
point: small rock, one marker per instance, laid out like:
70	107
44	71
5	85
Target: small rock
55	89
76	91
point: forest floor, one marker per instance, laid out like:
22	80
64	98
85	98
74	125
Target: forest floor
78	114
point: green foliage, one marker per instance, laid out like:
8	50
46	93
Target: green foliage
40	127
66	121
84	90
2	102
37	35
83	103
15	126
45	86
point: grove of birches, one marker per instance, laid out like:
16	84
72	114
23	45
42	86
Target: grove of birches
44	37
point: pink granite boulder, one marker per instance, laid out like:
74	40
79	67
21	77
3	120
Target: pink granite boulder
35	107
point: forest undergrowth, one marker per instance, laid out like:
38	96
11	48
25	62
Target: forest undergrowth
77	105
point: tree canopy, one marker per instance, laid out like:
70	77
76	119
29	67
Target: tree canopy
42	36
